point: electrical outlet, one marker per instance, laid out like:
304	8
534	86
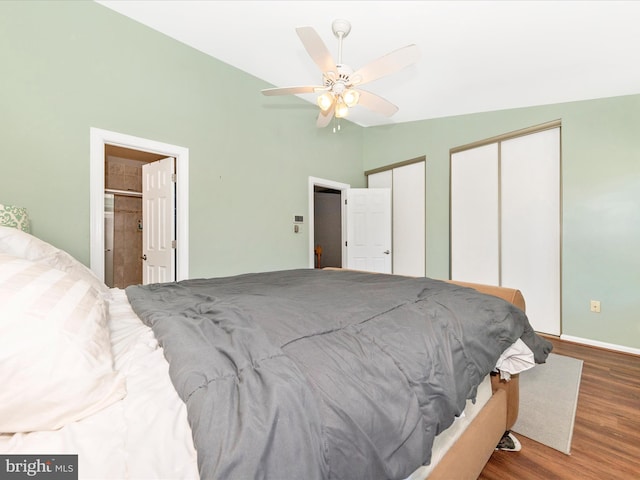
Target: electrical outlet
595	306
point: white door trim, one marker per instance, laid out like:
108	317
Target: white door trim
98	139
343	187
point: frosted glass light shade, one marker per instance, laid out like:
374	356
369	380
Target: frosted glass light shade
350	97
325	101
341	109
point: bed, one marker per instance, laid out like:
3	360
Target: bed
298	373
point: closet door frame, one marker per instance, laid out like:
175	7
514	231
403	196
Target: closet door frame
498	140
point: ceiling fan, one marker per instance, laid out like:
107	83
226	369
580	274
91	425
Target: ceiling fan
340	87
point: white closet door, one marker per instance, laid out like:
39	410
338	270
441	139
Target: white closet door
409	220
380	179
530	203
475	231
407	185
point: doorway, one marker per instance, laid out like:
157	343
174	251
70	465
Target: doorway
124	214
328	227
332	195
362	225
100	140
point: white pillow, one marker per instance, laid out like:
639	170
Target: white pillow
56	364
23	245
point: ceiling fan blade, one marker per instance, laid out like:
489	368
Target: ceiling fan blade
376	104
316	49
390	63
325	117
291	90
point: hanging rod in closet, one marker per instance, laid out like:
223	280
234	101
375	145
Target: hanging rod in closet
128	193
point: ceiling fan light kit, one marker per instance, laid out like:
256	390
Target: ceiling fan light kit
341	108
351	97
325	101
338	92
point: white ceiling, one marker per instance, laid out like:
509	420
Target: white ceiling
477	56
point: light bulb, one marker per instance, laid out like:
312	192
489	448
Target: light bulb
350	97
341	109
325	101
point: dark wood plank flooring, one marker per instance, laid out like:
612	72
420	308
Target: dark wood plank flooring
606	437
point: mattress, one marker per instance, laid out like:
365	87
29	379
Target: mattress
146	434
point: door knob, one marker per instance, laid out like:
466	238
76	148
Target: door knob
144	257
386	252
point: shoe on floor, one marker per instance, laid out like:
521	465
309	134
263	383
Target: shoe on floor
509	443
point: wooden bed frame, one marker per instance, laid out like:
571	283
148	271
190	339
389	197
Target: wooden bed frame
470	453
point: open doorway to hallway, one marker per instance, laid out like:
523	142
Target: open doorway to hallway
327	227
329	232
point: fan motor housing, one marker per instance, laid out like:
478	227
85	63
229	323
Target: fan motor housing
341	82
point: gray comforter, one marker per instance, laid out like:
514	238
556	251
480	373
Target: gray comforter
309	374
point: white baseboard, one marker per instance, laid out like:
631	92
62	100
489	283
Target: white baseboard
596	343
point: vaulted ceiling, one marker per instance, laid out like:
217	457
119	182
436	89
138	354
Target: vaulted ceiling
476	56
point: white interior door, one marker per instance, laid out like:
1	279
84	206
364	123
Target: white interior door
368	218
158	211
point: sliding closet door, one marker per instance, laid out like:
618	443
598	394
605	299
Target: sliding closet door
409	220
380	179
475	239
407	183
530	205
505	219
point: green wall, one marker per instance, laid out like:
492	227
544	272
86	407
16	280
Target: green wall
69	66
601	201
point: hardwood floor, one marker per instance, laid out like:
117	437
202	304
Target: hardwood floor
606	437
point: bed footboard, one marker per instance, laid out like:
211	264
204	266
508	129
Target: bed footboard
511	295
468	456
512	389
